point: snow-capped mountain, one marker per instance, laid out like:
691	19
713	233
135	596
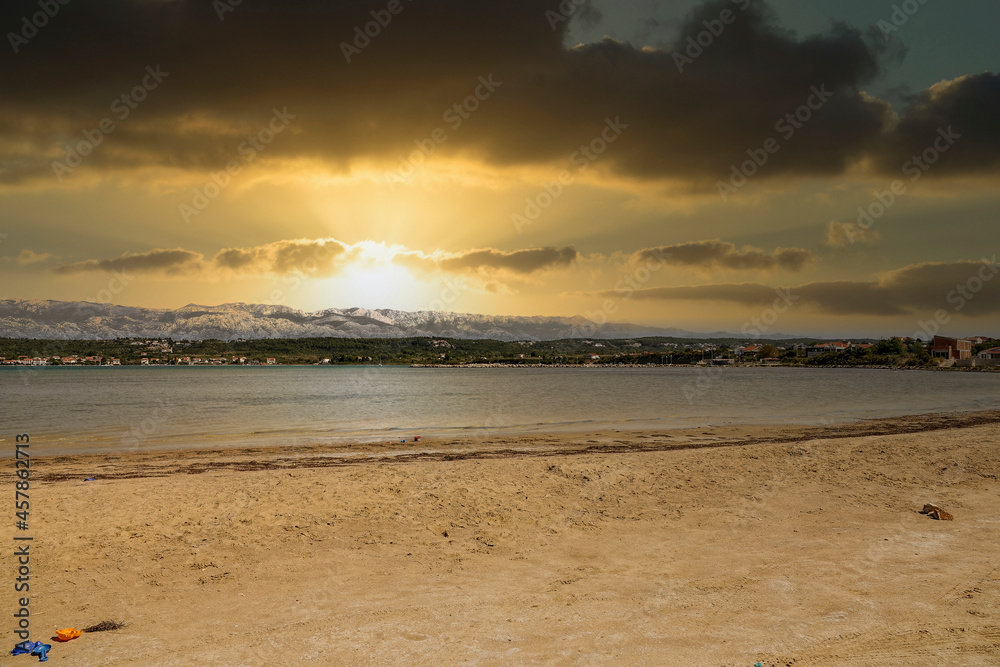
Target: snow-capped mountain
84	320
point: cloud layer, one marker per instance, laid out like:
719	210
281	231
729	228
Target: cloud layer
689	125
520	261
320	258
716	254
172	262
967	288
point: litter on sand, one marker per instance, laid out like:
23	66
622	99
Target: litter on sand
104	626
33	648
67	634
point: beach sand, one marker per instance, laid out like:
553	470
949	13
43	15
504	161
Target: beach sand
727	546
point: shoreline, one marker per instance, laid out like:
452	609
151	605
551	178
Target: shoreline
987	369
712	366
161	463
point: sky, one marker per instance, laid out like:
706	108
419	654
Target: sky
824	168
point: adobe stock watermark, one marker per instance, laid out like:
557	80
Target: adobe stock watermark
761	324
582	158
116	285
566	9
714	28
449	294
150	425
31	25
248	151
915	168
363	35
122	107
223	7
755	326
305	270
959	297
787	126
455	116
901	15
628	284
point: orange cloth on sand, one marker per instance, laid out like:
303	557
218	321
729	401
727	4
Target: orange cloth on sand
66	634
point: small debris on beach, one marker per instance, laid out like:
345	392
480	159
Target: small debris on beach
104	626
936	512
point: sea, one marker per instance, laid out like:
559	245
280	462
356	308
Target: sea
109	409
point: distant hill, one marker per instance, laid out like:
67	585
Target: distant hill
77	320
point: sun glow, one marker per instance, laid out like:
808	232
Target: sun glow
372	285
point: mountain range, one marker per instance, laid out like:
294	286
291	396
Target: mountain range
101	321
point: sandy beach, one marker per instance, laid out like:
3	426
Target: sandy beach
726	546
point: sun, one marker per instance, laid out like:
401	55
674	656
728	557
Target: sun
372	285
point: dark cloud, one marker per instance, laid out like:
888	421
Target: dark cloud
967	288
951	128
225	77
318	257
519	261
282	257
488	259
720	254
172	262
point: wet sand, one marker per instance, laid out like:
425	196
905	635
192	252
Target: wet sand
724	546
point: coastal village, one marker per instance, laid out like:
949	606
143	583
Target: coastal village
942	351
154	352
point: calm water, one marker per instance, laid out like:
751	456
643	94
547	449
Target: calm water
103	409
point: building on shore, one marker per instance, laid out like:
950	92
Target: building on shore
943	347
